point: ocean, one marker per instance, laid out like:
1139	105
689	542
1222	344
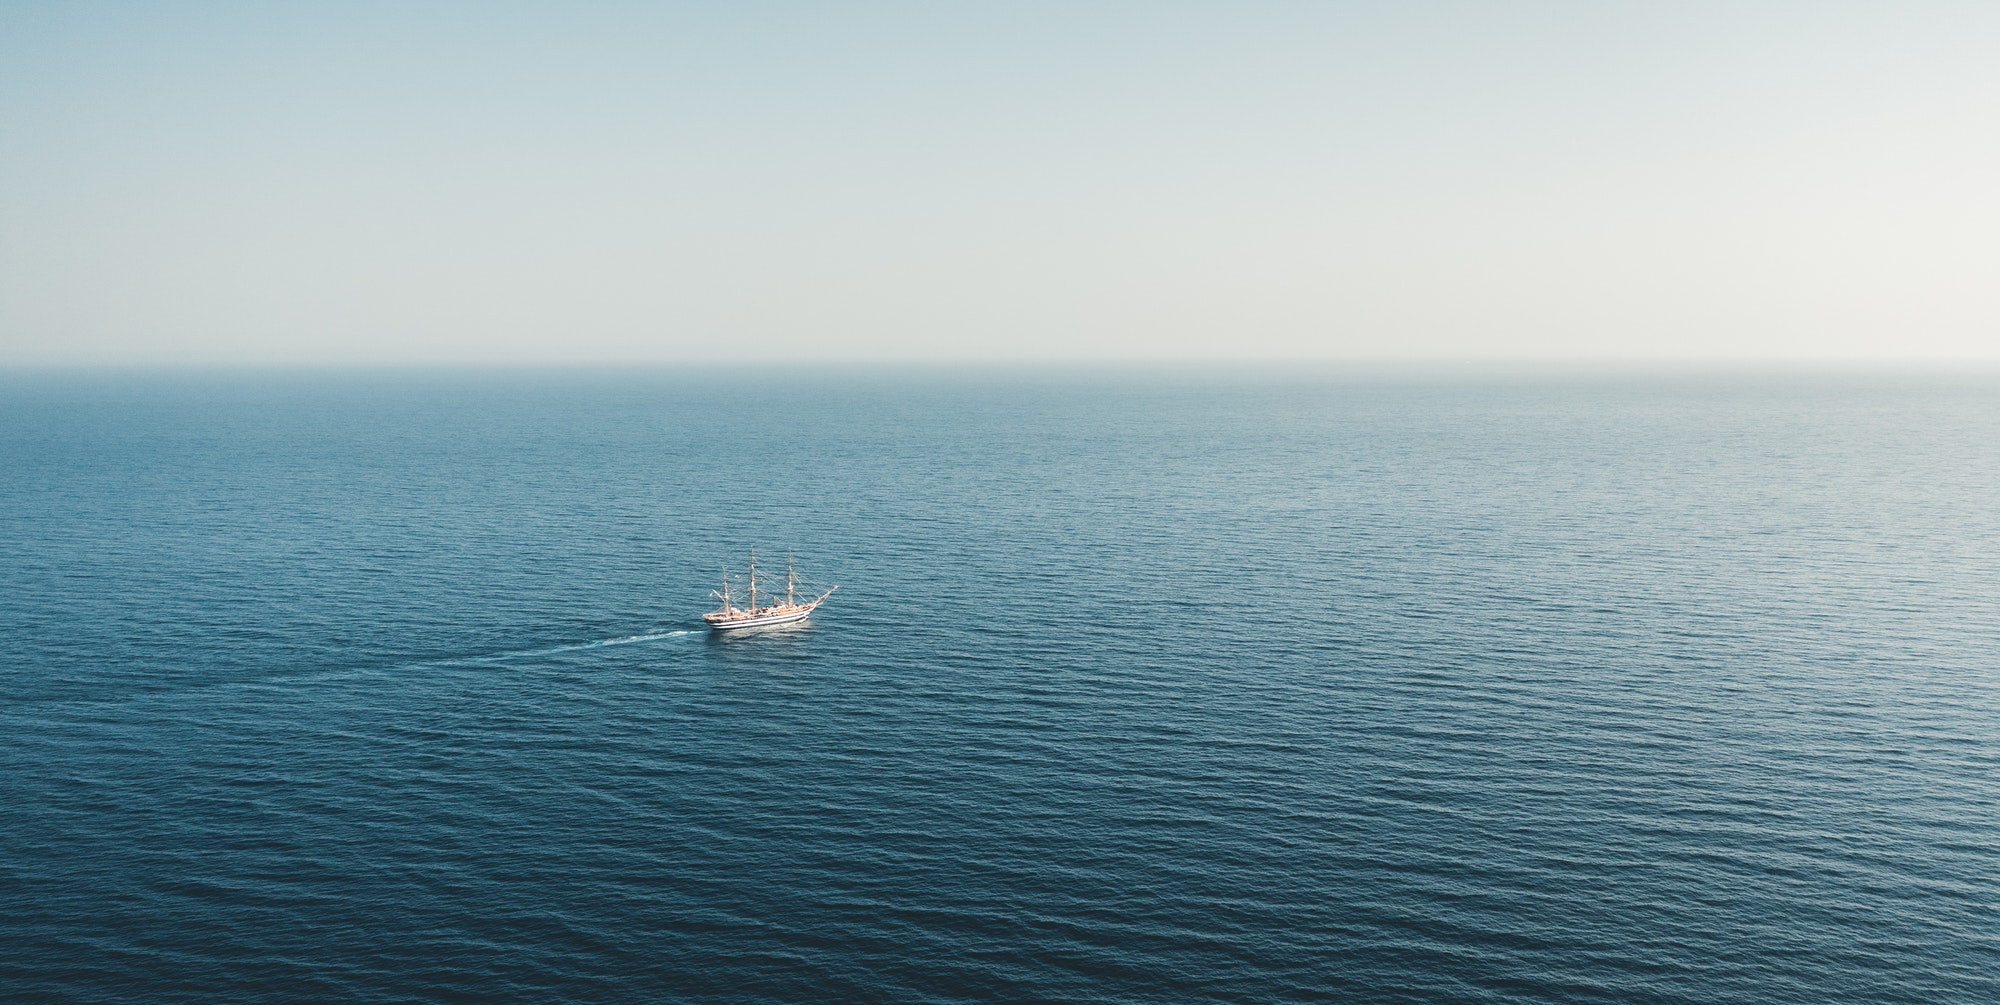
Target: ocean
1170	685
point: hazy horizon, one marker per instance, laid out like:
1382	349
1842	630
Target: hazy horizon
221	185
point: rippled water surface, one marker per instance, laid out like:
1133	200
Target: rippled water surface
1158	687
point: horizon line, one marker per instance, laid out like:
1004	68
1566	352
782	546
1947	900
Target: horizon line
1317	364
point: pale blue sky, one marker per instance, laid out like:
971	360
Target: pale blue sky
517	183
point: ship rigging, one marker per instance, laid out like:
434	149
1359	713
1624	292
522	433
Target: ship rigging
730	617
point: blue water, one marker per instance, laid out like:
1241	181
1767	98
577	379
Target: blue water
1139	687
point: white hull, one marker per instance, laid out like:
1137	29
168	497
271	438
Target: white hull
760	620
731	617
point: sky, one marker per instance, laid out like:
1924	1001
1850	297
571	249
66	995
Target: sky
502	183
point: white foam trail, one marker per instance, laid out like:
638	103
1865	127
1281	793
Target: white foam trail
600	643
444	661
627	640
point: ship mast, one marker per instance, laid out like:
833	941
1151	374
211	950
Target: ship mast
790	580
726	608
753	579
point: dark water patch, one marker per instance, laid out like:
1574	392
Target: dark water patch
1135	689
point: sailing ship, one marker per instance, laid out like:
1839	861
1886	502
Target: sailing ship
731	617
